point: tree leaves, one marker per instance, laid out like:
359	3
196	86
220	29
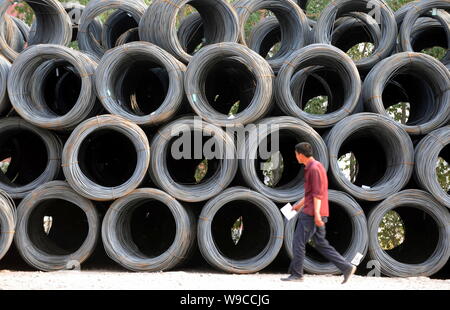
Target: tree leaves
273	169
201	171
391	232
236	230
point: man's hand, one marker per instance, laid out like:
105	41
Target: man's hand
299	205
318	221
296	207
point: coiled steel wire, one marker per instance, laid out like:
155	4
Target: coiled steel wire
113	74
8	218
240	75
117	24
190	33
53	25
131	35
168	227
73	234
428	151
430	32
355	28
5	104
261	239
35	156
87	42
346	230
33	107
425	248
294	25
168	168
158	25
429	97
383	150
267	33
413	15
288	131
23	28
337	9
329	58
75	10
106	157
13	34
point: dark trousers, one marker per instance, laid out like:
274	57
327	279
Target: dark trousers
306	230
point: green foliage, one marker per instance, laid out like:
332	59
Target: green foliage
201	171
400	112
391	232
273	169
237	230
443	174
317	105
437	52
235	108
361	50
349	166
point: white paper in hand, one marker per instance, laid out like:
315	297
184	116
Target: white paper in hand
288	212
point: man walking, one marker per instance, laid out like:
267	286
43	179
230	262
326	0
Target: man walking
313	215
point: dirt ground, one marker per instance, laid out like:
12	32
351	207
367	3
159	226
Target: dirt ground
194	280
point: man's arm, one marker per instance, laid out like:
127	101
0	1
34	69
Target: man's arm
317	216
318	196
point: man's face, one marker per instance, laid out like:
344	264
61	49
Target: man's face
300	158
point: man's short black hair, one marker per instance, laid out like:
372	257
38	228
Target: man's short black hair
304	148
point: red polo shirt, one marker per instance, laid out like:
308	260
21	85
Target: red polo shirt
316	185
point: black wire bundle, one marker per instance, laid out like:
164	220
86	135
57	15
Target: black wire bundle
158	25
53	25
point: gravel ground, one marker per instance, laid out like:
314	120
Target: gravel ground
194	280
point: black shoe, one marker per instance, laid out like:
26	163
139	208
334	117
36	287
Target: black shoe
348	274
293	278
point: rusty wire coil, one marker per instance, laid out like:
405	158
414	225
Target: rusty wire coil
53	25
106	157
326	57
261	239
35	156
383	150
158	25
424	251
219	75
74	232
29	102
86	40
121	90
435	144
294	26
148	230
8	218
337	9
290	131
425	81
346	231
173	170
